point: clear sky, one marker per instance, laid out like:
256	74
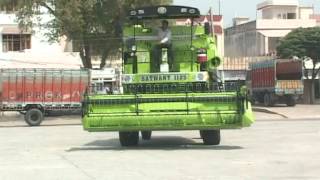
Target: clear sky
232	8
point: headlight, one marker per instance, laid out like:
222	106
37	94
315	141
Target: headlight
134	48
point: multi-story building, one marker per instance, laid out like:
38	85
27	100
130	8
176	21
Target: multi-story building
275	19
26	48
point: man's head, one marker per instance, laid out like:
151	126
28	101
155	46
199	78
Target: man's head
164	24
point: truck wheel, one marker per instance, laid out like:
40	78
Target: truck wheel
129	138
267	100
291	102
146	135
33	117
210	137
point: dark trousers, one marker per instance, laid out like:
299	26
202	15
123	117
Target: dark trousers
157	56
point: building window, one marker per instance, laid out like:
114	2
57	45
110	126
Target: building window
284	16
16	42
10	7
292	16
279	16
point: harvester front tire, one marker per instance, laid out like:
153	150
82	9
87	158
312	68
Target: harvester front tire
210	137
146	135
33	117
129	138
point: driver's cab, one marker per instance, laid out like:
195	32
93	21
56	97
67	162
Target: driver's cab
191	47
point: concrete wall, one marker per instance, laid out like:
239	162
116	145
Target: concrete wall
284	24
7	19
244	41
268	3
305	12
220	44
1	48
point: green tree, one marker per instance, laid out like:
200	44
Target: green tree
94	25
303	43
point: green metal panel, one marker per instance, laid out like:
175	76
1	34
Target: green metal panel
166	112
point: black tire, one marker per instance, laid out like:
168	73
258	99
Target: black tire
267	100
33	117
129	138
272	100
210	137
259	98
291	102
146	135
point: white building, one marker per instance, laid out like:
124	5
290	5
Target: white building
25	49
105	80
275	19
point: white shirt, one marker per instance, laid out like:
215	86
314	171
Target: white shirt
164	36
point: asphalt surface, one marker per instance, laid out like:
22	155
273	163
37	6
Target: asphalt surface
270	149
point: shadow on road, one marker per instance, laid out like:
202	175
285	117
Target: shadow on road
274	106
43	125
264	110
156	143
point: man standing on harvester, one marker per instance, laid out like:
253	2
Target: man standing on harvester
164	42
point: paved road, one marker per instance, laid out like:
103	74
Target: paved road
277	149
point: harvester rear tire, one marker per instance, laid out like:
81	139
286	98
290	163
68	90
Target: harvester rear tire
210	137
33	117
129	138
146	135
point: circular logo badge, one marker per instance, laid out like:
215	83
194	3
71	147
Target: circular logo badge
162	10
200	77
192	11
133	13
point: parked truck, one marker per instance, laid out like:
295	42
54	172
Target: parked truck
275	81
33	92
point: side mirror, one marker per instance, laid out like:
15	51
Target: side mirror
207	28
216	61
126	57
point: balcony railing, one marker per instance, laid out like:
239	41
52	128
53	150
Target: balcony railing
286	24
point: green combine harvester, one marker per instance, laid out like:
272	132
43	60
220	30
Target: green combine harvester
181	92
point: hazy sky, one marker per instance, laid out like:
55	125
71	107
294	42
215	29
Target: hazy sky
231	8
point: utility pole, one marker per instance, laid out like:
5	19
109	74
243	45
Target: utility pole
219	7
211	21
